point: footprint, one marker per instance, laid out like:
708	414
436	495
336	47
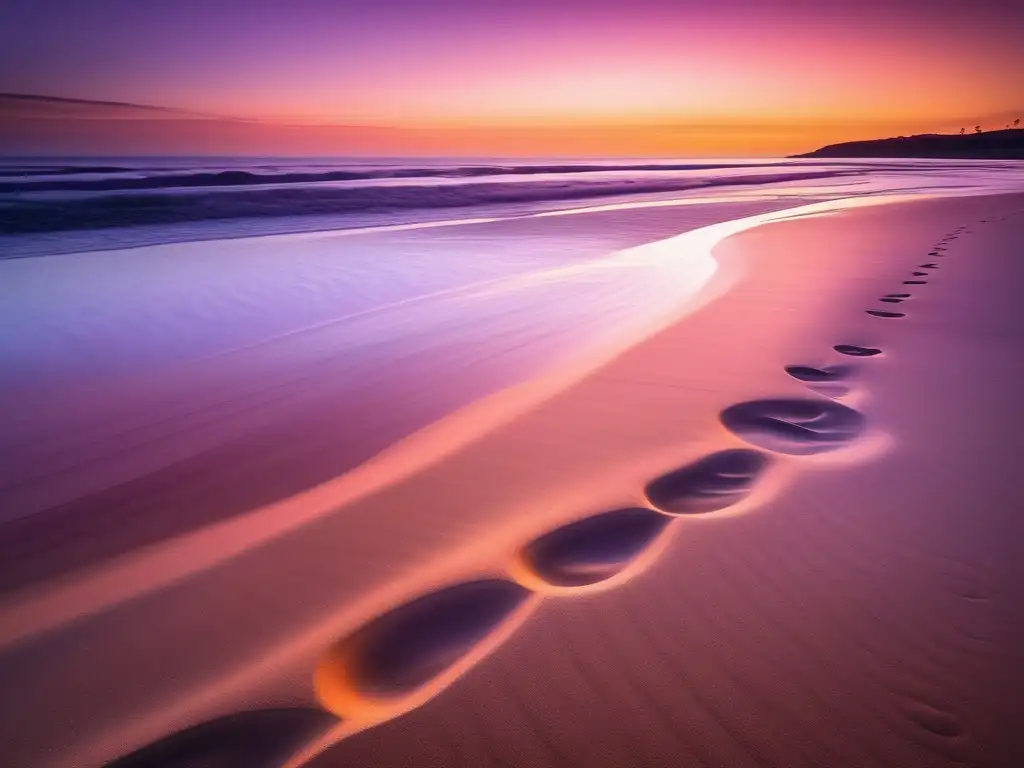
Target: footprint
830	381
918	274
830	373
798	427
258	739
404	649
709	484
891	300
897	295
593	549
883	313
929	265
915	282
933	719
854	351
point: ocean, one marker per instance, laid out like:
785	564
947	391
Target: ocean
59	205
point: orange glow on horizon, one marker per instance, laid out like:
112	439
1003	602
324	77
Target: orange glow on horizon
570	139
531	79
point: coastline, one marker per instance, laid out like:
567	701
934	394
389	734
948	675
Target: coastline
89	583
799	288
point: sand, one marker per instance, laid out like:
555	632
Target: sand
829	582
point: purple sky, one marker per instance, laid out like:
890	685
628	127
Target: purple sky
915	63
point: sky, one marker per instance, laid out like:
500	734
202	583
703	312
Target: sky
527	77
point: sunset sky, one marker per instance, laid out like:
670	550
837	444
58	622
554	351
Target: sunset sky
527	77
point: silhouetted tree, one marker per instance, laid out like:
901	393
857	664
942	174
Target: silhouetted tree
1016	123
963	131
977	129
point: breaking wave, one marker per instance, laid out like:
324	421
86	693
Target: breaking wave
119	208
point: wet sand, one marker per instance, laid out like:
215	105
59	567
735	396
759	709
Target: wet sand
860	607
809	567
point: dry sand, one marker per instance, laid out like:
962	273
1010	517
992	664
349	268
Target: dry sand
860	607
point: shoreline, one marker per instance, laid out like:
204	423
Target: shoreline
248	218
166	561
591	446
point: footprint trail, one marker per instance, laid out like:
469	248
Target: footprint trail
403	657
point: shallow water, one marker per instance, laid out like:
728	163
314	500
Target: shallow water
77	204
148	389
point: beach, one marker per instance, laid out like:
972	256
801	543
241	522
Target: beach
858	610
849	596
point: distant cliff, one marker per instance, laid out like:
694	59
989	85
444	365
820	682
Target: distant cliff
991	145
